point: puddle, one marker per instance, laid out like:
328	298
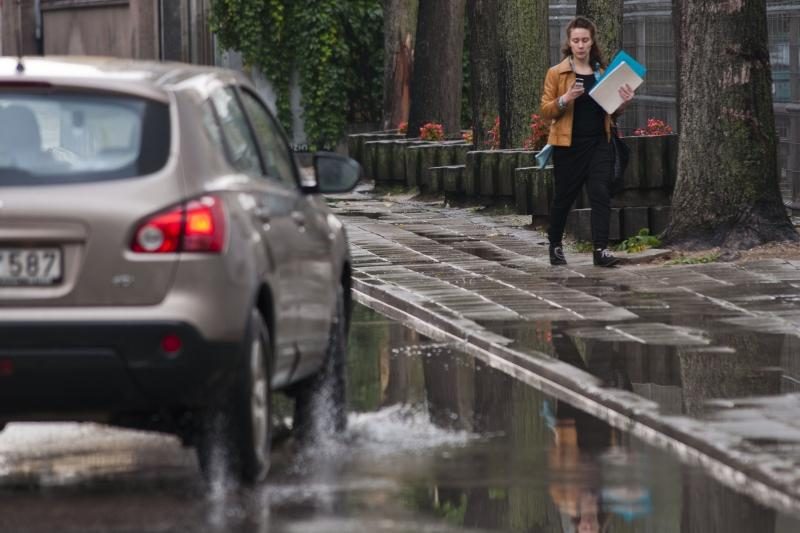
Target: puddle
437	441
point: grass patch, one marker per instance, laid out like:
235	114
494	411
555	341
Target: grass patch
492	210
694	260
393	189
583	247
639	242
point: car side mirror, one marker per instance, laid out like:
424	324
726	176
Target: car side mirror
335	173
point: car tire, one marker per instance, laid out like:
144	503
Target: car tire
320	404
234	440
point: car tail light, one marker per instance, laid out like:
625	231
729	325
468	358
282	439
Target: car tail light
205	226
196	226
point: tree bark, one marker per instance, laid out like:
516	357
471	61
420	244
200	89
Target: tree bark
607	16
436	84
523	52
680	52
483	63
399	29
727	191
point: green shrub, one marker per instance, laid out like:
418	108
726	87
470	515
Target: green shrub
639	242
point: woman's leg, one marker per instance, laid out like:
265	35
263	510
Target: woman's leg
597	185
568	179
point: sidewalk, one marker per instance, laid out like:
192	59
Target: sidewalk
703	359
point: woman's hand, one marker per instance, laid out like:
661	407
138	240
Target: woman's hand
626	93
574	92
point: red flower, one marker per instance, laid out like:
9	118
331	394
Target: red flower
540	129
654	127
432	131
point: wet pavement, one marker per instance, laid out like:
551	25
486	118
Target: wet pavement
437	441
706	354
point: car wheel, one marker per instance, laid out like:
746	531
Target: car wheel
320	399
235	437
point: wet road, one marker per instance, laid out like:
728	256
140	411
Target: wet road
437	442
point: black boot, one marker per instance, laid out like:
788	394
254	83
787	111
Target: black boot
557	255
603	258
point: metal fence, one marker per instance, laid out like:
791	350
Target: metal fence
648	36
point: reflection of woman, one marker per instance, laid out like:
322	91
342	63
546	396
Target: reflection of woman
580	134
576	485
579	439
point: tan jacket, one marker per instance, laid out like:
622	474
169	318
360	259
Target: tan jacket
558	80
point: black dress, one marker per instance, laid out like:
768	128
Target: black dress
589	159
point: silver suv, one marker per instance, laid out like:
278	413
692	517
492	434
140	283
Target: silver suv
162	264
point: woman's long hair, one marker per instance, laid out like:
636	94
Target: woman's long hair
595	55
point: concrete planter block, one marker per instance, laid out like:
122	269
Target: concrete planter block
398	169
460	153
522	190
526	158
633	220
453	180
655	157
671	166
356	142
579	224
472	173
383	161
434	178
369	156
506	164
452	153
427	160
653	163
542	190
487	185
633	174
659	218
411	167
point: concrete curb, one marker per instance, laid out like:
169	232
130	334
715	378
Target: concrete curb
692	440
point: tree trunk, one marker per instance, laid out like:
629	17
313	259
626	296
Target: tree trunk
523	51
436	84
607	16
399	28
727	190
680	51
483	60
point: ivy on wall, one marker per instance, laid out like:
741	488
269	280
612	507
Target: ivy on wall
335	47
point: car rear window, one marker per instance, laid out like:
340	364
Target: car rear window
64	137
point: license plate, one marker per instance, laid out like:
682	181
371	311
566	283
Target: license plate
30	266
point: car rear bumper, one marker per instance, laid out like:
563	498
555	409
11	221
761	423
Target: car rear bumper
71	368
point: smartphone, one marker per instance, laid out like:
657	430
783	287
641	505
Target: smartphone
579	83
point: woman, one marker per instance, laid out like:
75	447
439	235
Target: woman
581	137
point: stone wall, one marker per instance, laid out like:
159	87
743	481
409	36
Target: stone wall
454	170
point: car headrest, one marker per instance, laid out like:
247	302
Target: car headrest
19	129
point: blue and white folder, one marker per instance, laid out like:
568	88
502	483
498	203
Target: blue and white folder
621	56
622	70
544	155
